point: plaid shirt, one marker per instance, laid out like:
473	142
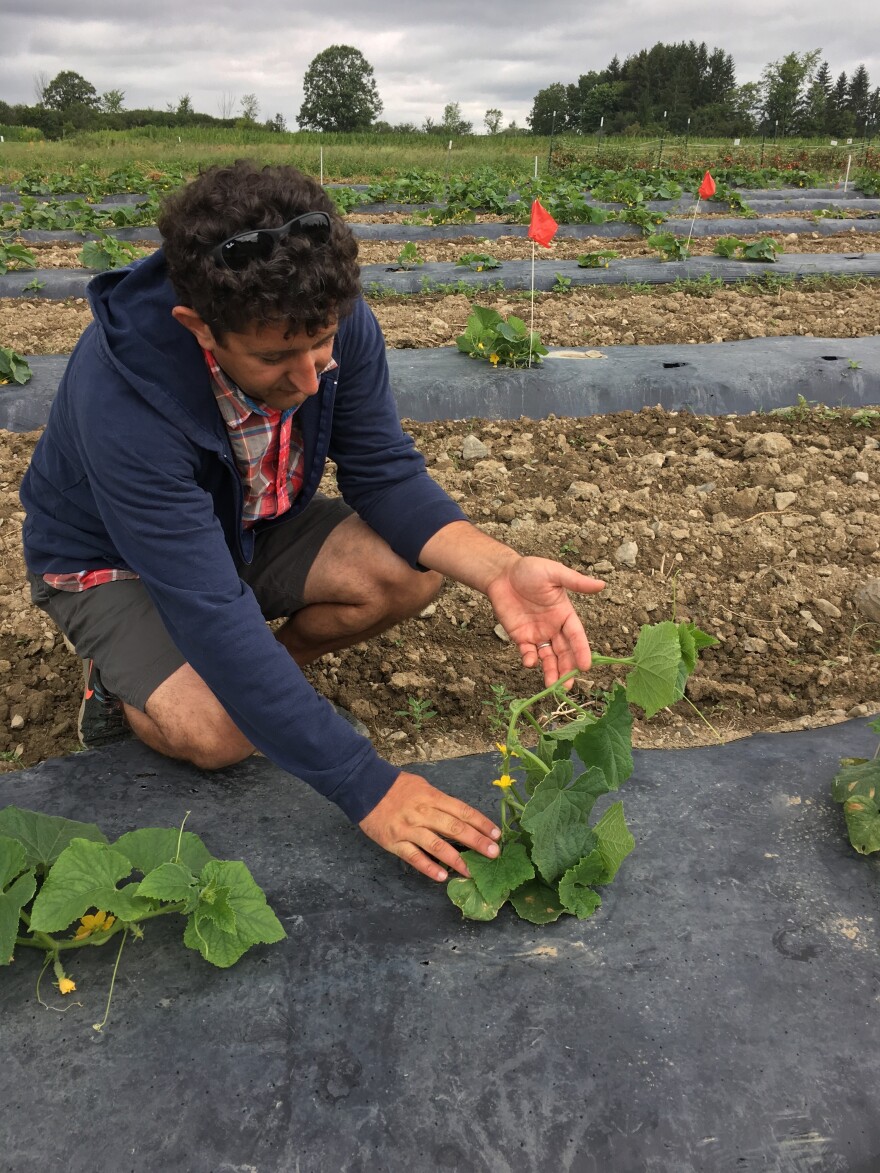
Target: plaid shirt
268	452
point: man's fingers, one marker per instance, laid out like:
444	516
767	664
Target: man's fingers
417	859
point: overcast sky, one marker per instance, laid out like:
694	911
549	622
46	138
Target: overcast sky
424	54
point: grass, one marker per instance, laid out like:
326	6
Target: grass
365	157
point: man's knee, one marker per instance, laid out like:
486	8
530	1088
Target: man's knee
217	755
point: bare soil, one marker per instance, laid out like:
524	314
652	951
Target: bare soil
760	528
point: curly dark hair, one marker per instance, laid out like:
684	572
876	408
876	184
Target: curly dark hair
303	284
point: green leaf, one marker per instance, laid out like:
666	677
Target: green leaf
173	883
85	876
857	786
860	779
214	905
654	682
537	903
574	888
608	742
150	846
94	256
12	901
863	824
13	860
255	922
44	837
614	839
556	818
465	896
496	878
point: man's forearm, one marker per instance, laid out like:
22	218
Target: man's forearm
463	552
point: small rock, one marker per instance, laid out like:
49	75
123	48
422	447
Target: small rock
581	490
473	448
787	643
501	633
603	566
627	553
859	478
783	500
867	599
754	645
17	722
505	513
767	444
430	610
828	609
858	711
410	680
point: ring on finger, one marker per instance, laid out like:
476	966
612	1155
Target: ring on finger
548	644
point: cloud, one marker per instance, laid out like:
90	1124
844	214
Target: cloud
424	55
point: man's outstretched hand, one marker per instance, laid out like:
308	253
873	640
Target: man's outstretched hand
416	822
531	598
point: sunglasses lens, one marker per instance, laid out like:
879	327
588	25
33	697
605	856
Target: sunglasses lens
317	225
238	252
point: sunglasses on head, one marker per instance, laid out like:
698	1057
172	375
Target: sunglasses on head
257	245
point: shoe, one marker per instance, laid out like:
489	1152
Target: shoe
101	716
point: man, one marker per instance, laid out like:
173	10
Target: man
172	509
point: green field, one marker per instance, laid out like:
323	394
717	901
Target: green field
356	158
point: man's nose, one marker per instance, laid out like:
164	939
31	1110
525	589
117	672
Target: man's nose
303	375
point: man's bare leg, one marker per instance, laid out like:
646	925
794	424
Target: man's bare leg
357	587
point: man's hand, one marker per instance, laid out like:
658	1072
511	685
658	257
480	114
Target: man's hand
530	598
414	821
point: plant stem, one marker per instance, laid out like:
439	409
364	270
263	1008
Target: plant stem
100	1025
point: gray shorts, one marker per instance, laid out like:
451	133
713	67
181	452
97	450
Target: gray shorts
116	625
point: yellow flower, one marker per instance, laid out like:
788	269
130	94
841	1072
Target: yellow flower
66	985
493	359
99	923
504	781
480	346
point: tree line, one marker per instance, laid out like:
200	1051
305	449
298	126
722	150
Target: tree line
681	88
686	88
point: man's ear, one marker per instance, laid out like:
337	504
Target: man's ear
189	319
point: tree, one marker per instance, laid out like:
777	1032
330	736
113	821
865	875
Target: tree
69	89
41	81
859	95
276	124
786	86
111	101
339	92
549	110
492	119
250	107
226	105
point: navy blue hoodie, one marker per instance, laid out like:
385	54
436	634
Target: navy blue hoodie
135	470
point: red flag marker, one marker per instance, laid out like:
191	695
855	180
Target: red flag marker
707	187
542	226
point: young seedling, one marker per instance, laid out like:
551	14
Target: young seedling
597	260
552	859
562	284
409	257
669	246
15	256
501	341
13	368
479	261
64	886
499	705
109	253
418	710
